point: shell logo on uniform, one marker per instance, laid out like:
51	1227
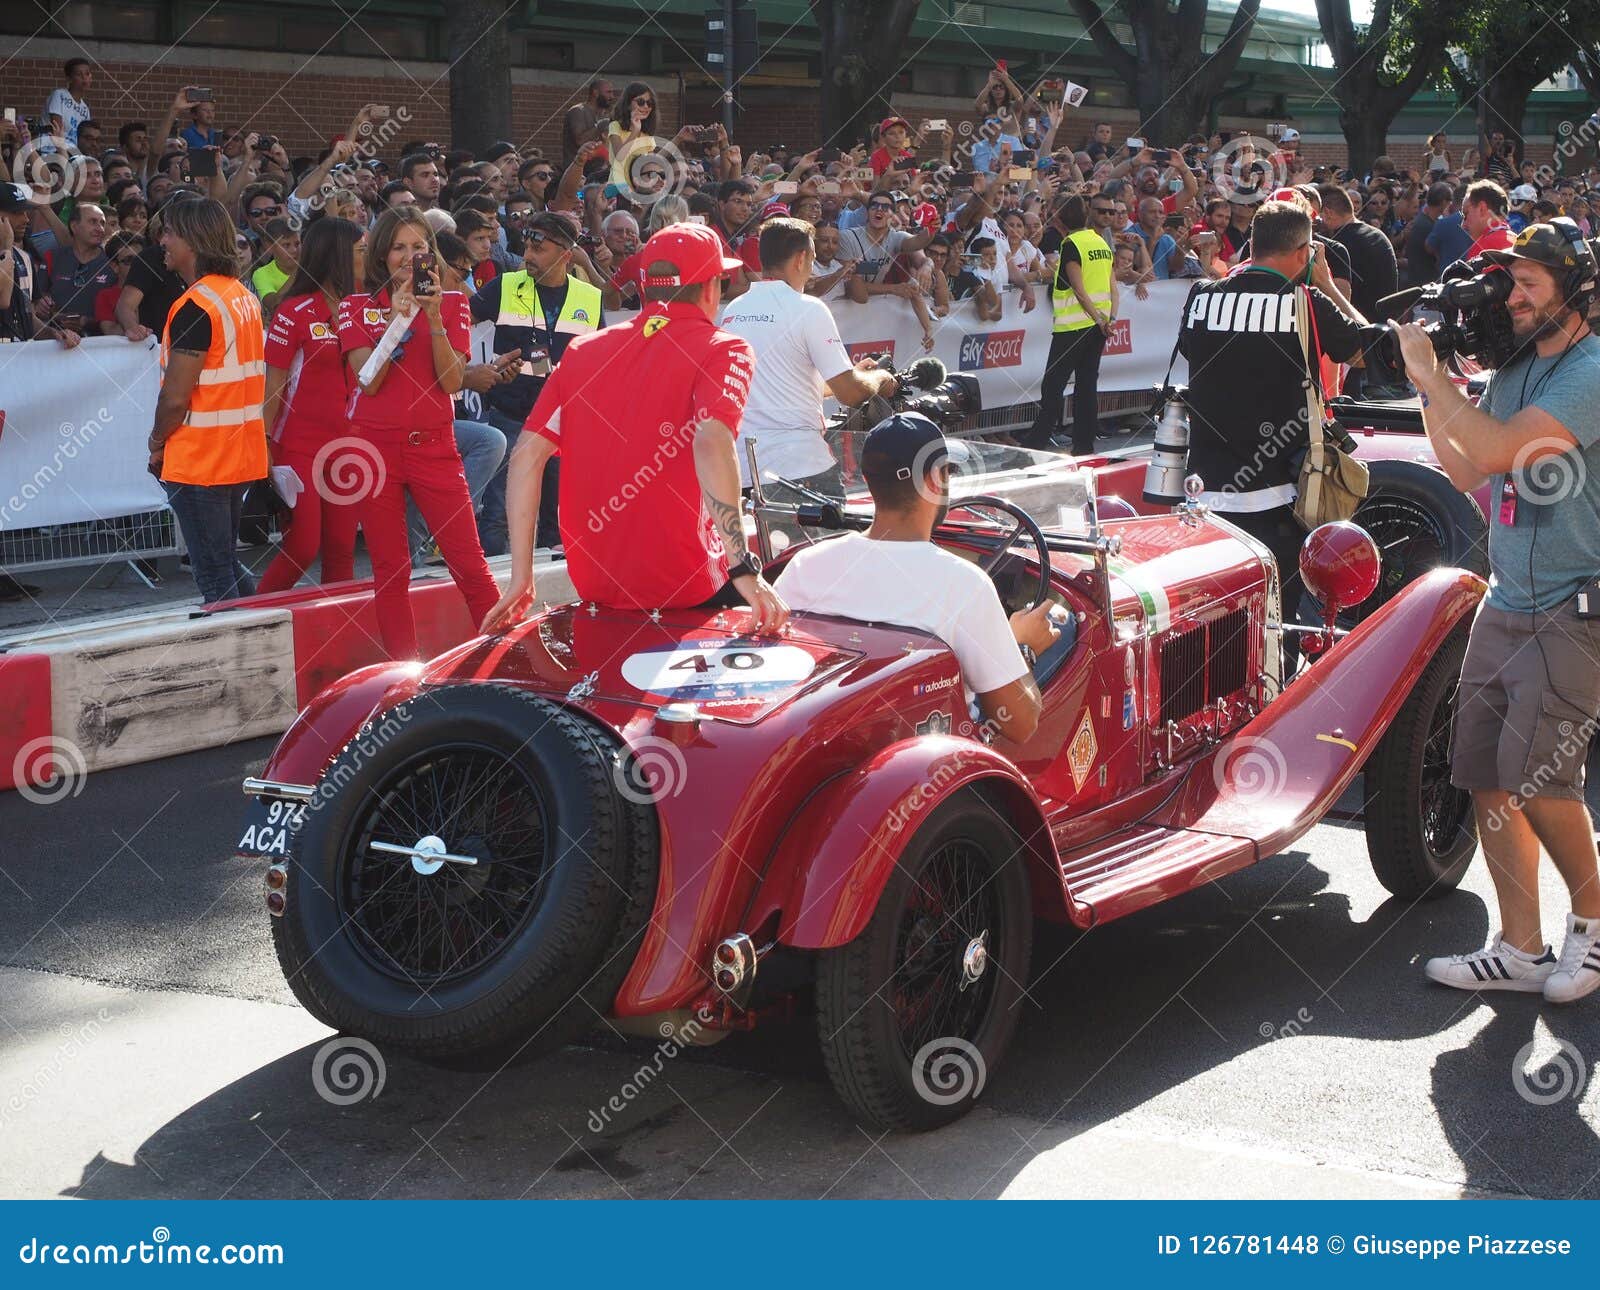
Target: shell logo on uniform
372	317
653	325
321	331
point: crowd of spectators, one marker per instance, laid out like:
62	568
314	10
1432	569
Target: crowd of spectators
931	212
928	212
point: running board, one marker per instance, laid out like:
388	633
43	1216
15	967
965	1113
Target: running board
1146	864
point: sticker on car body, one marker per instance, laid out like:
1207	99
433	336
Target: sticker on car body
717	669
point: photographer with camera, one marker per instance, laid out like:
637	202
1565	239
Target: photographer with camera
1247	395
1530	683
799	358
536	311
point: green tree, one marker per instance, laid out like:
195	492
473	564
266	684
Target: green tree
1379	67
479	47
1173	79
1512	46
863	48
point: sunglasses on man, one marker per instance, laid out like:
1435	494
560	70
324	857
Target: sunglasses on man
262	212
538	237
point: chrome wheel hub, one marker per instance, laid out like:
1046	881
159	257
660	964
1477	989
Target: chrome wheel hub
975	959
428	856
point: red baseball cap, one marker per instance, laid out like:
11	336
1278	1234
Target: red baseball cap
693	250
774	208
894	120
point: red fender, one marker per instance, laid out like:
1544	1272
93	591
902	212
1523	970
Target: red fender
333	716
835	860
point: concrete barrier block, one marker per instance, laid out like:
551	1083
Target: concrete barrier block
134	693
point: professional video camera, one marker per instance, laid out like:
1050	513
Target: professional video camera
925	386
1465	316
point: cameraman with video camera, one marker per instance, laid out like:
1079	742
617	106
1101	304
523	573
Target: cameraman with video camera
1530	683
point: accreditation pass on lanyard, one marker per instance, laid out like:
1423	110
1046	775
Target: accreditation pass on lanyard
1508	500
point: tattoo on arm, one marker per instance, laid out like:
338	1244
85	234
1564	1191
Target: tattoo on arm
730	524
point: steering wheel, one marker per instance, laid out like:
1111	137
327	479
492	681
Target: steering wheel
1025	526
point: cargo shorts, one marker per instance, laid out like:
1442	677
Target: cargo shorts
1529	703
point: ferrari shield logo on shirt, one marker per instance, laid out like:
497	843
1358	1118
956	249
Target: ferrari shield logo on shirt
372	317
991	349
1081	751
653	325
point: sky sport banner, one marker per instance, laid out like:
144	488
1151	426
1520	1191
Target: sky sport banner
1008	356
76	421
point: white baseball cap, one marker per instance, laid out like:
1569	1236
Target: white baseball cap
1524	193
1289	135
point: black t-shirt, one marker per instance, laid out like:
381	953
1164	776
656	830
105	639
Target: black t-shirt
1373	271
1246	380
191	329
963	284
1050	241
16	321
161	287
1422	265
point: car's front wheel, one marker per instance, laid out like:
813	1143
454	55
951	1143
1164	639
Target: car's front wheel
1421	834
915	1013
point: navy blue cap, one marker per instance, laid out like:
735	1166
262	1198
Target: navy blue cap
904	447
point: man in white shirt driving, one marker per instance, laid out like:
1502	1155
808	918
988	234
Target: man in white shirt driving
893	573
799	360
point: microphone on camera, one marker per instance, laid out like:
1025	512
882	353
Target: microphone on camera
925	373
1393	306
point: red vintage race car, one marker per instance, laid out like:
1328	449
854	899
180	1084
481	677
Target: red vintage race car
657	820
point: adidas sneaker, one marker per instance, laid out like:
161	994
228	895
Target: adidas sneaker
1495	967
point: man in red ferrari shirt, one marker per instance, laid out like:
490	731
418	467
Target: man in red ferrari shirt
1483	215
644	414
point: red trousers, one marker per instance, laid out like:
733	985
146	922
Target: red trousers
322	522
426	465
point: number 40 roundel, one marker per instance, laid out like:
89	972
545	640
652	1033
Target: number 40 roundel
717	669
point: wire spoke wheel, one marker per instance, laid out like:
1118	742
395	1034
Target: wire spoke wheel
952	905
432	927
1446	810
1411	540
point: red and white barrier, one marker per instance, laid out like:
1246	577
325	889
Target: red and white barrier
134	688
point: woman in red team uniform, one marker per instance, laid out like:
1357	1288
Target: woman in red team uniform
403	413
304	405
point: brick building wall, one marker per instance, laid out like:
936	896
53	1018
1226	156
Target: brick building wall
307	101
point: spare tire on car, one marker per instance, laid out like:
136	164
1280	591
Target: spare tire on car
469	884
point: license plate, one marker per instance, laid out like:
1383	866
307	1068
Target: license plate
269	828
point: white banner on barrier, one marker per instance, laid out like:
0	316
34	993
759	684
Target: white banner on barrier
1008	356
72	443
76	421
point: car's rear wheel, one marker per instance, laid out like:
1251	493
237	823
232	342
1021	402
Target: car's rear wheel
1421	834
916	1012
472	886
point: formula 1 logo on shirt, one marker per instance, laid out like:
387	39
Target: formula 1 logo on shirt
1119	340
991	349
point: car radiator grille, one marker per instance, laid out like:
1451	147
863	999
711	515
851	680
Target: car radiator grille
1203	664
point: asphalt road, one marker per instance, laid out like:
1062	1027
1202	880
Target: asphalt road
1267	1036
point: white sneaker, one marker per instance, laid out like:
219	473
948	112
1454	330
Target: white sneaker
1492	968
1578	970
